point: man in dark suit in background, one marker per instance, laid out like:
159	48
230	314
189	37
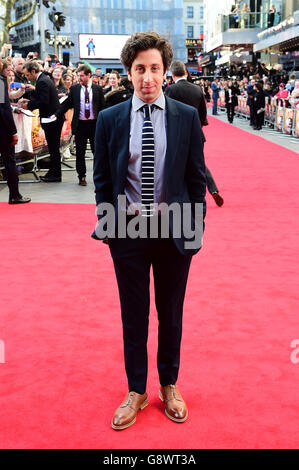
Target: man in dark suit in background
8	140
189	93
45	98
250	100
137	159
87	100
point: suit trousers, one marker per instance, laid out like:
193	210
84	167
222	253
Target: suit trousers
215	103
133	259
230	108
211	185
7	153
252	115
52	133
85	131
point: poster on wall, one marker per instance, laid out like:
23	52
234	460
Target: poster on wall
101	46
288	121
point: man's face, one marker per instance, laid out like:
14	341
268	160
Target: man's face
19	65
147	75
252	82
83	79
31	76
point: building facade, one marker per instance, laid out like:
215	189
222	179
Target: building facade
279	44
193	11
116	17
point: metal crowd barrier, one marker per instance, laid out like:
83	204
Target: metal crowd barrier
278	115
40	149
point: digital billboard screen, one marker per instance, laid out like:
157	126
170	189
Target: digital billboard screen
101	46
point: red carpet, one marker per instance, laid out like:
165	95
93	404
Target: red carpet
63	374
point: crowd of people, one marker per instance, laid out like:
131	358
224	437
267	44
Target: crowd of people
254	82
244	17
54	88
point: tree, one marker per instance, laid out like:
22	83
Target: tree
6	17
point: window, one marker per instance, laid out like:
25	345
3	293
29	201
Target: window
189	32
23	10
189	12
201	11
201	29
25	34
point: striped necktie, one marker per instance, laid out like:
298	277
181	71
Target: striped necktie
148	164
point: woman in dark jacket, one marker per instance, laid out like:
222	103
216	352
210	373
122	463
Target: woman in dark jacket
231	100
259	106
120	93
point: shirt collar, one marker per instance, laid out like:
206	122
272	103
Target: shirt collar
181	78
137	103
88	85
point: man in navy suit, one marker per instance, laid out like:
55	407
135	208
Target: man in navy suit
149	151
215	96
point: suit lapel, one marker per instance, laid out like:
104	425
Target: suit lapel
122	128
78	94
94	99
173	135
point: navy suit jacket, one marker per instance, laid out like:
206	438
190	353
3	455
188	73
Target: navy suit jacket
184	174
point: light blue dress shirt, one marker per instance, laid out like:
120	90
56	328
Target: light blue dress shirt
133	182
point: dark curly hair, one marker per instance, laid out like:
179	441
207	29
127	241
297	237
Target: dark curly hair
142	42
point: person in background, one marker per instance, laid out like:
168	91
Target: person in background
58	82
231	100
45	98
259	106
105	82
294	98
236	13
8	73
118	93
215	95
283	93
8	141
271	16
75	78
113	81
250	98
245	16
68	80
87	100
95	79
191	94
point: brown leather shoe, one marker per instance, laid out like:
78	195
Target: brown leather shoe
82	181
126	414
175	407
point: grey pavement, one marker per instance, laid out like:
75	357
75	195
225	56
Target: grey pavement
286	141
68	191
